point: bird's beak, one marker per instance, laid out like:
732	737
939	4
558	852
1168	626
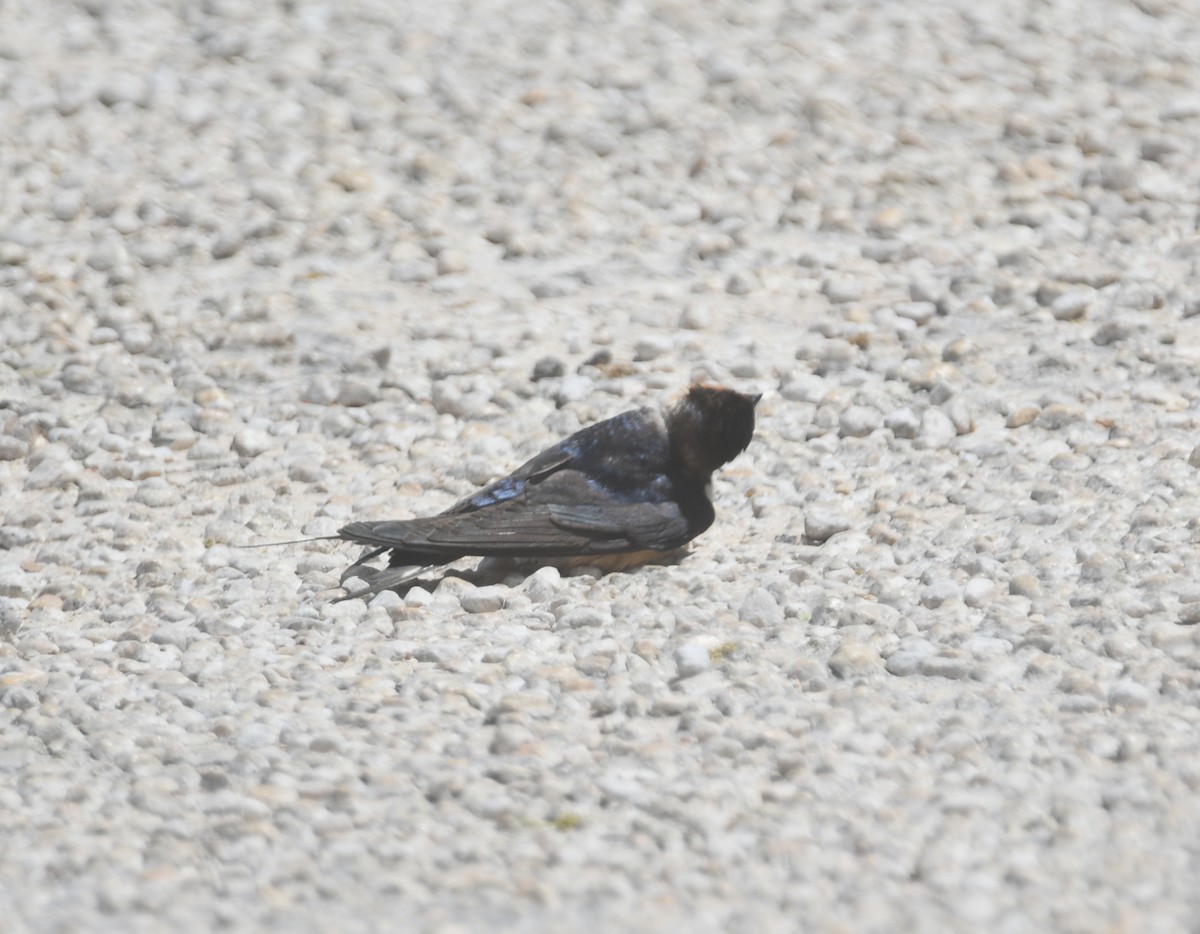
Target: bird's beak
756	397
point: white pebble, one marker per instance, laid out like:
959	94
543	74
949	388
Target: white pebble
251	442
858	421
823	522
760	608
691	659
483	599
937	430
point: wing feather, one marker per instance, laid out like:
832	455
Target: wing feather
518	529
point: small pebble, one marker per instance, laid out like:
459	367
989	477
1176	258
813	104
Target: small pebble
908	657
852	659
251	442
226	245
1129	694
942	666
920	313
1022	416
760	608
692	658
1024	585
483	599
842	289
1071	306
356	391
583	616
940	592
937	430
823	522
977	591
858	421
548	368
651	348
903	423
695	318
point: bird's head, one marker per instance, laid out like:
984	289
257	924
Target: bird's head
711	425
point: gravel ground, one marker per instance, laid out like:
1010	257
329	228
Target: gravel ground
267	268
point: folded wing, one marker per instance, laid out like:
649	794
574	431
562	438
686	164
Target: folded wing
520	529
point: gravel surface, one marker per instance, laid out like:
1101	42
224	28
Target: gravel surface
267	268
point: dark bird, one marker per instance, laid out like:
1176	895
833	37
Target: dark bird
614	494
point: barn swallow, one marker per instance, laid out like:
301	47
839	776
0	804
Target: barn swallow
614	494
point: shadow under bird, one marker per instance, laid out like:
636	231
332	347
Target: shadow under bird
615	494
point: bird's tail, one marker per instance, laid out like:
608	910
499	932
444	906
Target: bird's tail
295	541
379	580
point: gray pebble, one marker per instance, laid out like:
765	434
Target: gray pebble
760	608
1022	416
67	205
834	356
356	391
651	348
543	584
823	522
107	255
18	698
322	389
853	659
451	262
15	581
842	289
920	313
251	442
12	254
903	423
937	430
122	87
722	70
1184	107
154	253
156	493
1129	694
483	599
548	368
1024	585
804	387
573	388
938	593
11	448
173	433
695	318
413	271
942	666
742	282
52	474
555	287
581	617
978	591
908	657
926	289
858	421
1071	306
1189	614
226	245
1112	332
960	416
1122	645
136	339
